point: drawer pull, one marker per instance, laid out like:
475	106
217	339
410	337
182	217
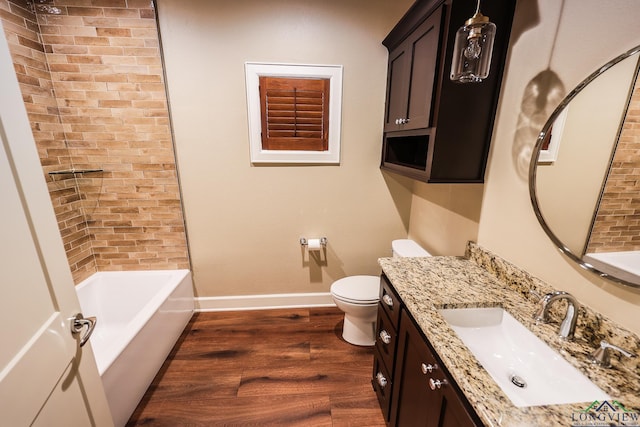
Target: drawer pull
385	336
428	368
382	381
436	384
386	298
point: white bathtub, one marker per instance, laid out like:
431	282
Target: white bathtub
141	315
624	265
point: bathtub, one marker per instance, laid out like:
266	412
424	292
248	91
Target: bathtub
624	265
141	315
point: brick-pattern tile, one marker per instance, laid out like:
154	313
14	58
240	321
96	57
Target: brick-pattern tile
30	62
617	224
91	77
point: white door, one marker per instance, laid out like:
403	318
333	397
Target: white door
46	379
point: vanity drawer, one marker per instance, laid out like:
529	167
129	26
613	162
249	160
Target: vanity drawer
389	301
381	382
386	338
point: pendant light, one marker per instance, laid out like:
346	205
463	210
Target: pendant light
472	49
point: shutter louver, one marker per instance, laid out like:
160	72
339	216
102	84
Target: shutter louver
295	113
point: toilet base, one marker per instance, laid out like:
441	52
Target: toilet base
359	331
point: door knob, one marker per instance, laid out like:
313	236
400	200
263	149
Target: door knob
386	298
385	336
436	384
382	381
426	368
78	323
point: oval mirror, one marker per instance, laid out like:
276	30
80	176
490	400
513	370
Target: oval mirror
584	175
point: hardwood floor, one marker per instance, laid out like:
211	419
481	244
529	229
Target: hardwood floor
271	367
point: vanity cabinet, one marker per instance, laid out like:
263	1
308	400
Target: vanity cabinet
388	320
412	385
436	130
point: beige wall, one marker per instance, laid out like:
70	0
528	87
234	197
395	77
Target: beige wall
590	35
244	221
444	217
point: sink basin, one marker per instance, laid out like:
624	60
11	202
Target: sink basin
526	369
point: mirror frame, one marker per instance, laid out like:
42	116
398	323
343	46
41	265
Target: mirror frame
534	164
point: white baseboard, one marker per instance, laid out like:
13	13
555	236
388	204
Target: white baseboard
264	302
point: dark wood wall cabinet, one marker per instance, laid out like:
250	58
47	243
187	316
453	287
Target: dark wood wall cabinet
412	384
436	130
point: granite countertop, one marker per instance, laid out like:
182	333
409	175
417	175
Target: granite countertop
428	284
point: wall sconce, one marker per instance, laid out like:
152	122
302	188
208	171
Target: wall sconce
472	49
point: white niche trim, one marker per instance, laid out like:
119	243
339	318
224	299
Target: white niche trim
253	71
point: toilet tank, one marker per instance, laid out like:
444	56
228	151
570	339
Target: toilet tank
407	248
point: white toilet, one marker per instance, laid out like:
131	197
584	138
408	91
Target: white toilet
358	297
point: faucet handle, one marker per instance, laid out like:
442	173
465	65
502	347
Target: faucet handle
601	355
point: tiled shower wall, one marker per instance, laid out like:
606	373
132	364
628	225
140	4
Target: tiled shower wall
617	224
91	76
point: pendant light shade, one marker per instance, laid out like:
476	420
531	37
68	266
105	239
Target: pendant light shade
472	49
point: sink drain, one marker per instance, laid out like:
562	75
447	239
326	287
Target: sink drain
518	381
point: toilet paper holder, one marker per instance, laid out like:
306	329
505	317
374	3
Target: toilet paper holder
305	242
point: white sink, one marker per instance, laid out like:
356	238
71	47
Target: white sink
526	369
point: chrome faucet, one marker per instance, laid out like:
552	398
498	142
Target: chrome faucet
568	325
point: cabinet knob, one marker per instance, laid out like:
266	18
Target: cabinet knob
385	336
386	298
427	368
436	384
404	121
382	381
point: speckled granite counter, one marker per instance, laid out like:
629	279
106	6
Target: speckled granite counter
484	280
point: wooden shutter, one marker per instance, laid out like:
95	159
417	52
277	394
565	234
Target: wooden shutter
295	113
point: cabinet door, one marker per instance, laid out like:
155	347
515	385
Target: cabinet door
414	402
398	75
452	412
423	44
411	78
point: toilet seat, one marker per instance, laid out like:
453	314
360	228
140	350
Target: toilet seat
363	290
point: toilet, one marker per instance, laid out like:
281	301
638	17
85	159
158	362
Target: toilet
358	296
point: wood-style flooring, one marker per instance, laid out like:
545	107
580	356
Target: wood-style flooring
286	367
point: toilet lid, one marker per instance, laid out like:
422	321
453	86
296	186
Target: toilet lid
408	248
357	289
